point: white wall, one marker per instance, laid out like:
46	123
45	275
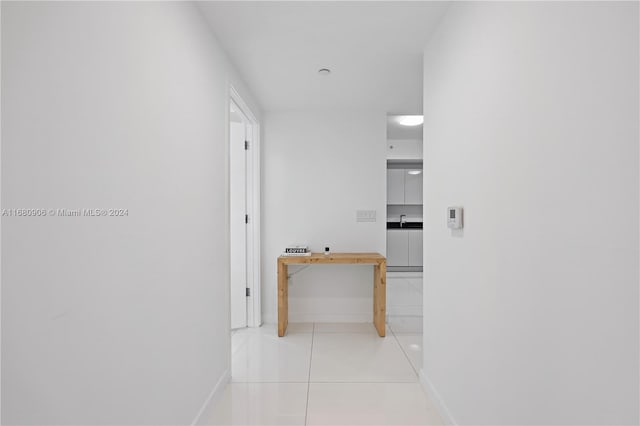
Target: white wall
319	168
113	320
531	124
403	149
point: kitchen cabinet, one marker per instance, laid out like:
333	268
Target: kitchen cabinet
395	186
415	247
403	187
397	247
404	247
412	187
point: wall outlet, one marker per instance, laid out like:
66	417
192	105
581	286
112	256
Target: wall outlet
365	215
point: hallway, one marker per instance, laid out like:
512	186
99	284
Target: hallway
116	280
325	374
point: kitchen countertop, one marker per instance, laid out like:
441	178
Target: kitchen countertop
406	225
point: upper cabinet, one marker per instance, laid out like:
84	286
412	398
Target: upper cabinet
395	186
404	186
413	186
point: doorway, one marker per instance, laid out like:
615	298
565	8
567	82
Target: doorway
404	222
244	215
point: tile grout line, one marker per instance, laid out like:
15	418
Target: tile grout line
405	353
259	382
306	409
364	382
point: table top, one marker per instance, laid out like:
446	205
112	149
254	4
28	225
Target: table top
365	258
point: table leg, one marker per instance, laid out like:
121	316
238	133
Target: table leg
380	296
283	298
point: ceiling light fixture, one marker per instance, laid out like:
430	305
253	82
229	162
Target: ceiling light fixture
411	120
324	71
414	172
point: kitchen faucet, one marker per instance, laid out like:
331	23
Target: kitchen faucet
403	220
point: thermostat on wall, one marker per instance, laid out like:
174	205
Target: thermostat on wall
454	217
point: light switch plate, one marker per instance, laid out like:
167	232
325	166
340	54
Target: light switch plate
365	215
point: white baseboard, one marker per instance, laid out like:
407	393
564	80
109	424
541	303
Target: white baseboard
391	311
443	410
404	311
303	317
217	389
404	274
269	319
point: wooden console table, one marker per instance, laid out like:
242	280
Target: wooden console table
378	261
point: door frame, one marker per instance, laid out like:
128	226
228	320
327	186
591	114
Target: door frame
254	310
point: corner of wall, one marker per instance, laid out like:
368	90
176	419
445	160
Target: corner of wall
217	390
433	394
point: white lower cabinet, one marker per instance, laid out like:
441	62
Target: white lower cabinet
397	247
404	247
415	247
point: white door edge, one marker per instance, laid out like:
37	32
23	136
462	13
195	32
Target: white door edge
254	311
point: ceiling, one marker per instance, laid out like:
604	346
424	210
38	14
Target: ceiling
395	130
373	48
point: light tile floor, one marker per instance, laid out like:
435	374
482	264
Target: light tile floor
325	374
404	293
